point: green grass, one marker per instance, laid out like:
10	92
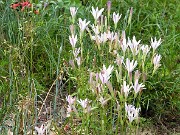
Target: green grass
35	53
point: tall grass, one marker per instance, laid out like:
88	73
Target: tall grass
34	63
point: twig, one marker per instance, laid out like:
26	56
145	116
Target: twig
48	94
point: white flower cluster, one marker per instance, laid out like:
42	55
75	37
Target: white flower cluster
132	54
132	112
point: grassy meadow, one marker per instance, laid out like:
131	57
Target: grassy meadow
89	67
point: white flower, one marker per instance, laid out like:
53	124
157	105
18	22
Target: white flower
134	45
100	38
97	38
130	65
126	88
105	74
96	13
155	43
119	60
73	11
137	75
103	37
145	49
110	36
71	27
116	37
69	110
137	87
132	112
103	101
83	103
116	17
95	29
156	61
88	109
78	60
123	42
83	24
70	99
76	51
73	40
41	130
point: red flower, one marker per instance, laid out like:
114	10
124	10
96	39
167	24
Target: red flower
14	6
25	4
22	5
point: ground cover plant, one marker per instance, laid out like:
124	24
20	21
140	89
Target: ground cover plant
89	67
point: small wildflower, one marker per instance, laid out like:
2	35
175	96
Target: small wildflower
130	65
116	38
110	36
41	130
76	52
83	103
69	110
14	6
119	60
103	37
103	101
134	45
96	13
105	74
88	109
132	112
25	4
22	5
71	27
73	11
137	75
95	29
73	40
145	49
100	38
116	18
137	87
155	43
123	42
78	60
126	88
70	99
156	61
83	24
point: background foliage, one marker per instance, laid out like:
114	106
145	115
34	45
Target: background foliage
34	50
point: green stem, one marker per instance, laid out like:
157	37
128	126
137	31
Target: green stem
11	77
102	122
81	43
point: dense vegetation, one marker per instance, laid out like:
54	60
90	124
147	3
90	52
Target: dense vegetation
39	67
